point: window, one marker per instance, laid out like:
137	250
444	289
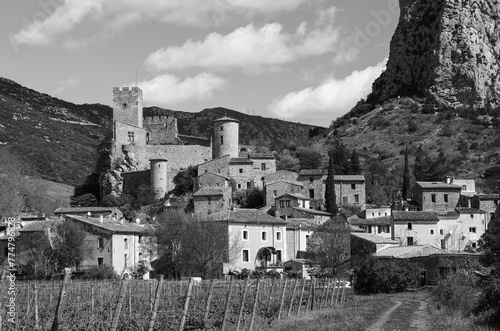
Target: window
495	202
241	170
380	230
263	166
125	259
311	193
239	186
282	203
125	243
464	187
409	241
353	186
373	214
433	197
356	198
288	203
311	179
130	136
245	235
432	231
275	192
379	213
209	200
385	214
248	185
264	235
474	245
278	255
464	199
471	215
222	128
472	230
345	200
445	198
441	231
221	140
100	261
324	182
307	238
278	236
100	242
410	227
246	255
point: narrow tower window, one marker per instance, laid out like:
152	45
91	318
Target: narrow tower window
221	140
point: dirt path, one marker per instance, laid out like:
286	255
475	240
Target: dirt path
406	314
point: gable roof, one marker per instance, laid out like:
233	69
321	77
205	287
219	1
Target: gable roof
313	211
209	191
70	210
249	216
382	220
227	156
488	196
281	171
439	185
240	160
312	172
284	181
373	238
295	195
252	155
406	252
349	178
37	226
470	210
111	225
427	216
303	223
214	174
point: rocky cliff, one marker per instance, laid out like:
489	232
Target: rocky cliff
448	50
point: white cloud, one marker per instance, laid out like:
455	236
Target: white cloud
165	90
333	98
67	84
247	48
57	18
46	26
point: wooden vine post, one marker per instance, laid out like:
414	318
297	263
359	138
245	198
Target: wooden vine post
156	303
186	304
60	302
254	308
207	304
301	296
119	304
242	307
282	299
293	297
228	304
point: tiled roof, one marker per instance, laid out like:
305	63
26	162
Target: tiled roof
261	155
356	220
349	178
69	210
111	225
313	211
354	228
470	211
240	160
312	172
216	159
250	216
281	171
295	195
439	185
406	252
208	191
212	173
36	226
303	223
373	238
284	181
415	216
488	196
226	118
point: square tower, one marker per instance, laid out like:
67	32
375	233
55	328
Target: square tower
127	105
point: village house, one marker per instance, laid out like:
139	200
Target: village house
298	232
115	243
461	229
261	239
415	228
365	244
489	203
90	211
436	196
284	204
277	188
213	194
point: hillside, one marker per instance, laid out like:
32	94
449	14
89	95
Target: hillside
57	140
469	141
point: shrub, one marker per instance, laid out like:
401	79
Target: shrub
375	276
100	272
458	291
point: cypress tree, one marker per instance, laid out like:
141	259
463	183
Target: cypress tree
406	177
330	199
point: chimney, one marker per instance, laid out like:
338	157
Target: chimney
121	221
448	180
101	219
277	213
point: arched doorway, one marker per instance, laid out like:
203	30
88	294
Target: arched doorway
265	257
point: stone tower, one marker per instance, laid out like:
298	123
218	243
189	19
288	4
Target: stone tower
127	105
226	135
158	179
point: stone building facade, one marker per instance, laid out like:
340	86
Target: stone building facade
436	196
489	203
280	187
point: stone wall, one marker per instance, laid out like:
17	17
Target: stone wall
127	105
279	188
269	166
217	166
424	198
162	130
125	134
242	174
346	194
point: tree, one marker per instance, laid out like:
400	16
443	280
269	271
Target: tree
330	245
310	159
191	247
406	177
184	181
330	198
286	161
354	168
253	198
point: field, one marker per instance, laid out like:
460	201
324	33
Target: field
133	304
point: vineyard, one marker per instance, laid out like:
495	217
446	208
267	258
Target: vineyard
250	304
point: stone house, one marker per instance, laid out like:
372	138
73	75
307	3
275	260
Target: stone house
365	244
209	200
461	229
216	166
242	173
375	219
90	211
298	232
436	196
467	192
489	203
316	216
115	243
415	228
350	190
280	187
263	164
285	203
280	175
313	181
261	239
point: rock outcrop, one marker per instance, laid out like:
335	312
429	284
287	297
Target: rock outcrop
448	50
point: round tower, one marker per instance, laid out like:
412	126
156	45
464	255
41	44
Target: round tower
226	135
158	177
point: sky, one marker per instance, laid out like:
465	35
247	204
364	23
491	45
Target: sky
305	61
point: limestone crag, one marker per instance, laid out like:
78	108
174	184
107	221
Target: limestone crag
448	50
